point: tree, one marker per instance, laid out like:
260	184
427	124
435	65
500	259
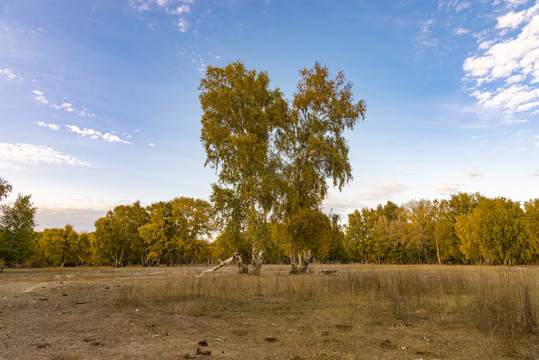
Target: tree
177	230
359	241
116	235
60	247
532	220
240	113
5	188
495	231
17	231
445	228
313	149
422	215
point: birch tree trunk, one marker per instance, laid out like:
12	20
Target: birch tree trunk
437	250
258	259
293	264
305	264
243	269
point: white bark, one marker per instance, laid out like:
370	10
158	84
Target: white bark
293	264
243	269
221	264
305	264
257	266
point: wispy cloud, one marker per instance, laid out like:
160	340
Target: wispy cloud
384	192
453	5
49	125
426	25
506	68
7	74
94	134
447	188
178	8
470	174
406	168
40	97
460	31
16	156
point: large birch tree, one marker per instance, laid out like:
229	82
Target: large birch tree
240	114
313	150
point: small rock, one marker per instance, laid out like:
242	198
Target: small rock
43	345
189	356
203	343
203	352
272	339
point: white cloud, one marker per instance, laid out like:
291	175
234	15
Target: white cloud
151	144
40	97
425	25
511	20
183	25
513	3
182	9
94	134
49	125
460	31
67	107
512	60
7	74
15	155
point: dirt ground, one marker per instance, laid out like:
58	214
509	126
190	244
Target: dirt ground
90	313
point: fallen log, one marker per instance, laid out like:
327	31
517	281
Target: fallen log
221	264
326	272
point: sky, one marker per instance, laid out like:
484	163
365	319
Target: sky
99	99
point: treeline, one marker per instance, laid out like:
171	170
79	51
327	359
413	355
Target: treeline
466	229
172	233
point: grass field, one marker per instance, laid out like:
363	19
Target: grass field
361	312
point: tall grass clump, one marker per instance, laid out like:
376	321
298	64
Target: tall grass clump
506	305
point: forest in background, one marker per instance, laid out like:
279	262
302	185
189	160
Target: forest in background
465	229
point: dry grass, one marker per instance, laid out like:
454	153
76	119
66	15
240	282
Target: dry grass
496	305
362	312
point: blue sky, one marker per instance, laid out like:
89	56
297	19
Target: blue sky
99	101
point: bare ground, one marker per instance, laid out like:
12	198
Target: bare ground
164	313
